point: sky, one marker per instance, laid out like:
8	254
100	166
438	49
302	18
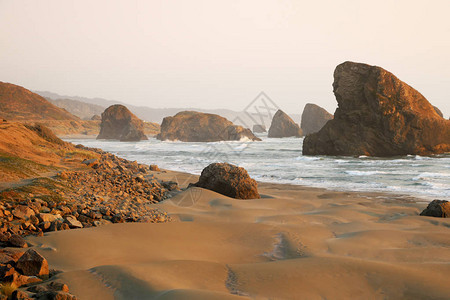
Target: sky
221	54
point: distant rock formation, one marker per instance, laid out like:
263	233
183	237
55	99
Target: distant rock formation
314	118
191	126
437	208
118	123
258	128
283	126
18	103
96	118
378	115
438	111
228	180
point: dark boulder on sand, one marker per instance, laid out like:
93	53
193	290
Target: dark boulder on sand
283	126
314	118
192	126
118	123
437	208
228	180
378	115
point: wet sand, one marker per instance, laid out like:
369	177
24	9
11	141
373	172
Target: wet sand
294	243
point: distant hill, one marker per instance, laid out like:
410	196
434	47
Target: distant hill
151	114
18	103
80	109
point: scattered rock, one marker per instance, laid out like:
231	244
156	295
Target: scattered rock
228	180
378	115
314	118
48	217
32	264
283	126
437	208
191	126
118	123
154	168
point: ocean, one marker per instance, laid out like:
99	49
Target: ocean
281	161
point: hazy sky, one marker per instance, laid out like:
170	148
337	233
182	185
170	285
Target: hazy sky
221	54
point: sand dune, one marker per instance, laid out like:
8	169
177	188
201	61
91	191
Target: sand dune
294	243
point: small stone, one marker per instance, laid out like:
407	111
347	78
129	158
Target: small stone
17	241
22	212
32	264
73	222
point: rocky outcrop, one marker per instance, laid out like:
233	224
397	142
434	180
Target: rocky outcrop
118	123
283	126
18	103
378	115
191	126
314	118
437	208
228	180
258	128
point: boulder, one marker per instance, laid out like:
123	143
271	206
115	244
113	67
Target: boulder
228	180
258	128
32	264
437	208
118	123
283	126
378	115
191	126
314	118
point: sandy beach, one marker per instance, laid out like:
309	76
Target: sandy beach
294	243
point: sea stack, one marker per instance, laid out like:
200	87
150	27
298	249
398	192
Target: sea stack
192	126
118	123
378	115
314	118
283	126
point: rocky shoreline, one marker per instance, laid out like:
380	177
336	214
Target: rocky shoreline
105	190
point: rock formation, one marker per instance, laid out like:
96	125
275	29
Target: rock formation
437	208
258	128
378	115
228	180
283	126
118	123
314	118
191	126
18	103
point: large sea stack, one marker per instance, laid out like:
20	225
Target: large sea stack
192	126
283	126
118	123
378	115
314	118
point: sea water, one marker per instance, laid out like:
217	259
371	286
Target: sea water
282	161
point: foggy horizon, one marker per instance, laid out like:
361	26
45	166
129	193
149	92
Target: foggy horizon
220	55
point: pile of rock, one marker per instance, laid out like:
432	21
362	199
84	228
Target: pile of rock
29	271
109	190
